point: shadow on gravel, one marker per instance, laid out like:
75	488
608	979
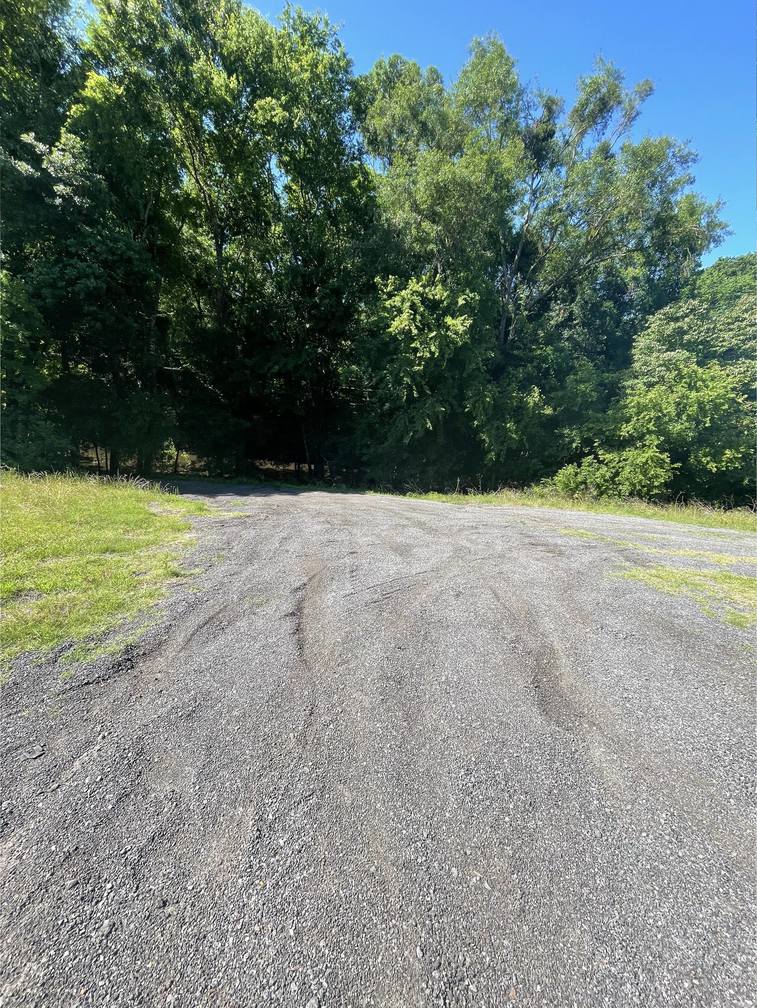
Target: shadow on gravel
221	488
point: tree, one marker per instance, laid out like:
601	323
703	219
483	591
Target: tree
33	435
565	233
39	72
688	403
428	384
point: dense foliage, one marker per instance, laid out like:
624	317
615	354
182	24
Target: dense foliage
218	239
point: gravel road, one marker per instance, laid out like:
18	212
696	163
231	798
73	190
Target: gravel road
392	753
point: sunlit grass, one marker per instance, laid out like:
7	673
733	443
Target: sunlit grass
704	556
733	597
81	556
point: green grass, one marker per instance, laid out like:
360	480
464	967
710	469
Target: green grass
708	516
705	556
718	593
82	556
722	595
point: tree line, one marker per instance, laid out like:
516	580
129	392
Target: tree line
218	239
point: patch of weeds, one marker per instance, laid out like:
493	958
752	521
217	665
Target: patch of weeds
732	597
581	533
705	556
725	559
83	555
741	620
89	652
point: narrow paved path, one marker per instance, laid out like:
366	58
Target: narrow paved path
392	753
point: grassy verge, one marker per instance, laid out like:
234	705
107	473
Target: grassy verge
81	556
737	519
732	597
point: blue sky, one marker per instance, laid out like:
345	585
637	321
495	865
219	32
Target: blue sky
700	56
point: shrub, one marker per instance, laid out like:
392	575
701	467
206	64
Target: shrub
642	471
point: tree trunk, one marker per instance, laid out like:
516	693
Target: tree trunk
307	449
144	462
219	244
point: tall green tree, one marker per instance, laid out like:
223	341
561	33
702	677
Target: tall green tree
39	73
565	232
684	424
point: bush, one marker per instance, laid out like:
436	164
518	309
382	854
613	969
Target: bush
643	471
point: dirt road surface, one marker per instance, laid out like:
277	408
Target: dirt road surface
393	753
